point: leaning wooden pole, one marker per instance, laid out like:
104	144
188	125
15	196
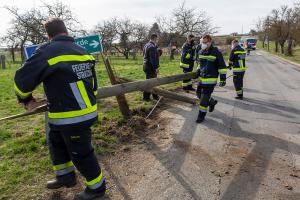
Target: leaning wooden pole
119	89
121	99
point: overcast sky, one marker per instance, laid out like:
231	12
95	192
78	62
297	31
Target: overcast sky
229	15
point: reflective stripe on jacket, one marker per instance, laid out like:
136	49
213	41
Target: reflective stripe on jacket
69	79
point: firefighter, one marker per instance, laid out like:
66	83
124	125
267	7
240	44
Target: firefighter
248	47
212	65
151	63
238	65
67	72
187	61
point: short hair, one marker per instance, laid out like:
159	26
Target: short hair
190	36
153	36
208	37
55	26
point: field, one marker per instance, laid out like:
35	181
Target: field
296	52
24	162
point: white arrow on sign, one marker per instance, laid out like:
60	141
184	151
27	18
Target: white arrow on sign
94	43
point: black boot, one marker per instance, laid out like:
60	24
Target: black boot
186	89
240	97
212	104
201	117
89	194
190	88
68	180
155	97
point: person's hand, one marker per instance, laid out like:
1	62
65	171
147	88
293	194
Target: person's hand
31	105
222	83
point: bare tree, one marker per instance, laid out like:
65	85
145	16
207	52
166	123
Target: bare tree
281	26
27	26
183	20
191	20
123	35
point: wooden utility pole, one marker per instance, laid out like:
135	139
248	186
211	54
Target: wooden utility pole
121	99
165	93
142	85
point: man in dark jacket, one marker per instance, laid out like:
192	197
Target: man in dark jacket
238	64
151	63
187	61
68	75
212	65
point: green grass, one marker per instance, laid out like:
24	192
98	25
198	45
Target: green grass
296	52
24	162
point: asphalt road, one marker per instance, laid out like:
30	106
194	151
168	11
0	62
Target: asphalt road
244	150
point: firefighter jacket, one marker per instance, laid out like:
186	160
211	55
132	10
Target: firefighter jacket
151	58
237	59
187	55
68	75
212	64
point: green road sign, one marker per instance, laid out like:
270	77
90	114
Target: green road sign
91	43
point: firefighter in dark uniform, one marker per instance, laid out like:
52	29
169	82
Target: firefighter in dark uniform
187	61
212	65
67	72
248	47
238	65
151	63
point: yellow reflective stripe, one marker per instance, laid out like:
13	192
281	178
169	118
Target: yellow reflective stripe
95	181
23	94
68	58
84	94
239	52
239	69
208	79
95	92
239	91
208	57
203	107
188	56
241	63
184	65
222	70
63	166
71	114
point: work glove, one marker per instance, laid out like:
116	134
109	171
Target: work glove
34	103
222	83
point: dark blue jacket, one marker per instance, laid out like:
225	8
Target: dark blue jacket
69	79
187	55
237	59
151	57
211	65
